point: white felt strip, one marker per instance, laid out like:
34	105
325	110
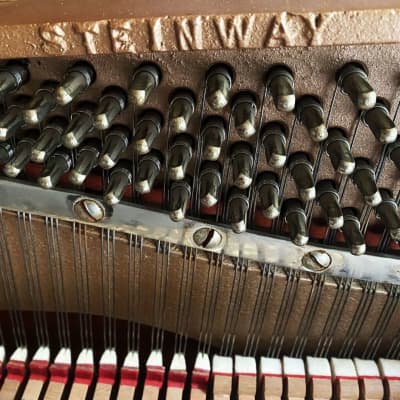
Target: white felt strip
155	359
109	357
63	356
132	360
202	362
389	368
245	365
366	368
270	366
178	362
317	366
343	367
293	366
85	357
222	365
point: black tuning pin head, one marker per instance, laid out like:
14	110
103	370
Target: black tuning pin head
149	167
380	123
219	83
81	124
179	195
148	127
13	75
338	148
6	152
310	113
49	139
388	212
301	169
296	219
119	179
351	231
242	160
244	110
210	183
328	199
56	166
115	143
181	109
394	153
42	103
86	160
237	209
213	134
280	83
144	81
274	141
353	80
13	119
180	154
76	80
364	179
22	153
267	186
111	103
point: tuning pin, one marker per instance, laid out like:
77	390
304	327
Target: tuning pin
280	83
179	195
389	213
328	198
214	135
180	154
12	76
268	192
296	219
111	103
56	166
338	149
274	141
382	126
115	143
144	80
351	231
242	161
22	154
82	123
244	111
149	167
13	119
237	208
181	110
210	183
49	139
120	177
311	115
88	154
394	153
219	83
301	170
42	103
353	80
364	178
76	80
147	129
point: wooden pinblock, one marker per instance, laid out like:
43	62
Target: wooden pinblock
176	377
246	376
390	373
200	377
345	379
319	377
271	376
222	371
295	378
370	382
